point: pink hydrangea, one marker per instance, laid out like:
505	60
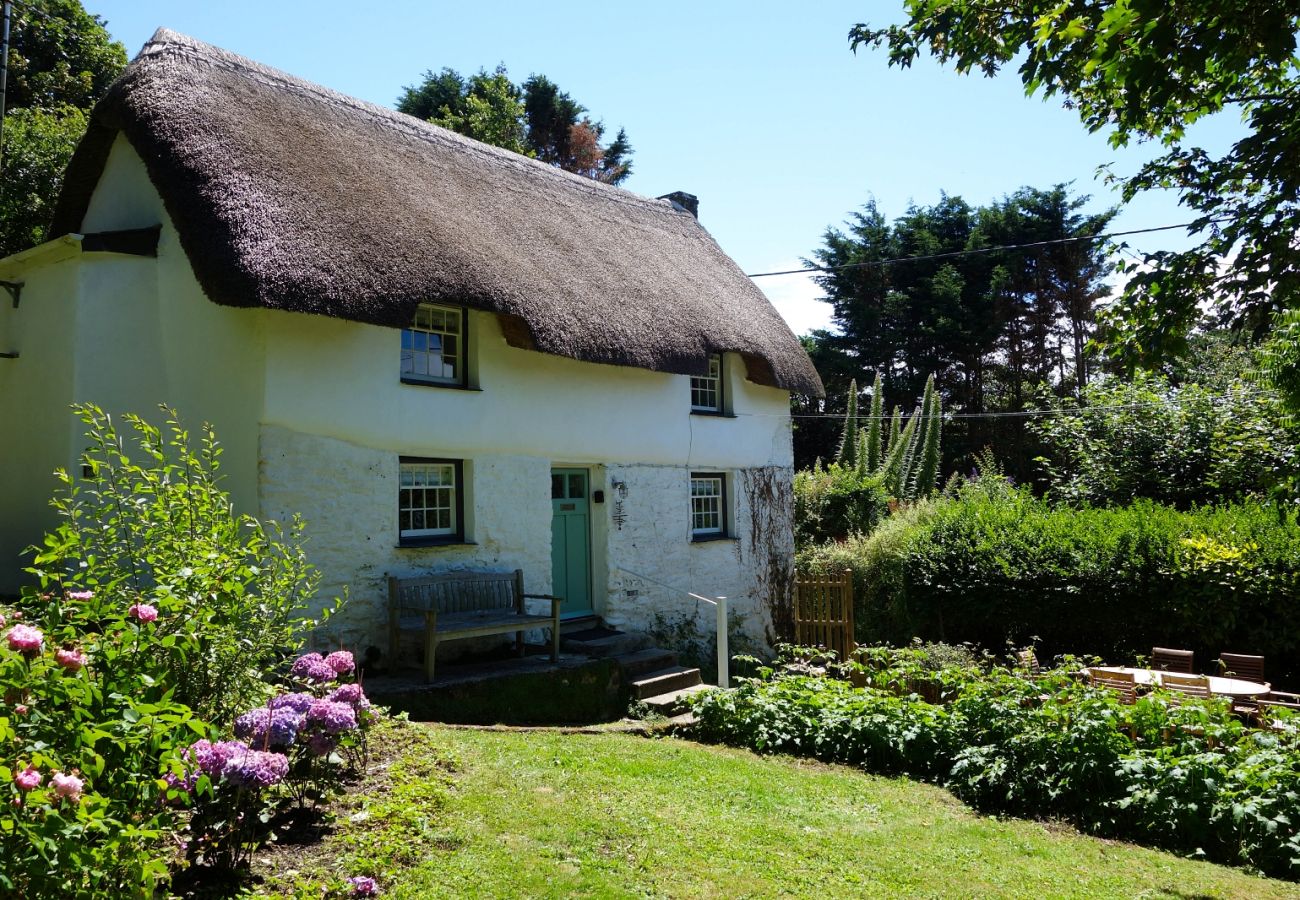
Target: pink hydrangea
71	659
80	595
143	611
332	716
26	639
29	779
313	667
213	758
363	886
257	768
341	661
351	694
67	786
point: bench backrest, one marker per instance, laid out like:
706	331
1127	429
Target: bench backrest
454	592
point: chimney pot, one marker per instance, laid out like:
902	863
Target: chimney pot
684	201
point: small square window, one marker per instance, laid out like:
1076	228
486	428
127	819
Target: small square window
706	390
708	505
433	346
430	501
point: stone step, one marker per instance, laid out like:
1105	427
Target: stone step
604	643
664	681
674	704
647	660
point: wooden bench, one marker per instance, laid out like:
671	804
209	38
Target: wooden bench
463	605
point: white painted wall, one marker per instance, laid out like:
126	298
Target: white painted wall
314	418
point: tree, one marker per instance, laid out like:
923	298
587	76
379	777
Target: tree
535	119
61	59
60	55
38	146
1144	72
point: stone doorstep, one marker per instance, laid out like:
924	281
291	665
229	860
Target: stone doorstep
664	681
673	703
604	643
648	660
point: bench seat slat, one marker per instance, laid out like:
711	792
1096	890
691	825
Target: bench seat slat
454	623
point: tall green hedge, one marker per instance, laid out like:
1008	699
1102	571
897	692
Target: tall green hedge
995	564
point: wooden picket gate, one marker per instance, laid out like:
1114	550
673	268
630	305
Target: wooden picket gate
823	612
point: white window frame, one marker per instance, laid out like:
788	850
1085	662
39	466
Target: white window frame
418	478
706	387
711	505
440	325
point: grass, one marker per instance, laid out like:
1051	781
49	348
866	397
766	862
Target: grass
535	814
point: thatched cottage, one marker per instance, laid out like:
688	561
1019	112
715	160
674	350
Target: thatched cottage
442	354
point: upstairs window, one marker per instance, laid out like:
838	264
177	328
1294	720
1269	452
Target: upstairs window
706	390
433	348
429	501
708	505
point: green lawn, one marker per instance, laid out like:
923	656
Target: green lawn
549	815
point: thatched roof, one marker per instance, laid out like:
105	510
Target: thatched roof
291	196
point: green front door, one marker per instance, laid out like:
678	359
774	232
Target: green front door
570	541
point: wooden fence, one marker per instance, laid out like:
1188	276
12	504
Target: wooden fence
823	612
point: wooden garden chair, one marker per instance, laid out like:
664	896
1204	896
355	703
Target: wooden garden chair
1028	660
1122	683
1183	687
1167	660
1241	665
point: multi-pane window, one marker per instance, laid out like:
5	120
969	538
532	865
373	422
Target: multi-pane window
429	499
433	347
706	391
708	504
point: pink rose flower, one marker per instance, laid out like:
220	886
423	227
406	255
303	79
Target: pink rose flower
2	620
71	659
20	709
67	786
26	640
28	779
80	595
143	611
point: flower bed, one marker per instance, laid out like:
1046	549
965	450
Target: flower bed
1189	778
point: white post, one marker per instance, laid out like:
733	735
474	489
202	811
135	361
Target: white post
724	655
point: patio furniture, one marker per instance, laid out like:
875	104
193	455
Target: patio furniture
1262	713
1123	683
1234	688
1184	686
1243	666
1028	661
1167	660
457	605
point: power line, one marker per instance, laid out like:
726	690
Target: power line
980	250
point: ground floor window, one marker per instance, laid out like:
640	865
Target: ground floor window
708	505
430	500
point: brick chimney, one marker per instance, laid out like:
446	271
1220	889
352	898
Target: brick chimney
683	201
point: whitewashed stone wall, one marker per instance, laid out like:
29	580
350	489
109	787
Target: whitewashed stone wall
347	494
652	563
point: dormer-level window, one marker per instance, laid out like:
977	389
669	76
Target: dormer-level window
706	390
433	347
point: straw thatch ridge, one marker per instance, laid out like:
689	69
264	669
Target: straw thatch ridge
291	196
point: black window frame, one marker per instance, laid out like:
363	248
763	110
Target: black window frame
457	536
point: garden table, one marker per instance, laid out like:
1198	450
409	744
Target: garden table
1235	688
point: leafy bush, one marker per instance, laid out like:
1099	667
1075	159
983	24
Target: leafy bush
833	503
229	591
1188	777
1182	445
995	564
157	609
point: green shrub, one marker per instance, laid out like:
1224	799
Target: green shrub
994	564
836	502
157	609
231	592
1187	777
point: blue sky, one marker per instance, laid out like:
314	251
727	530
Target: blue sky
759	108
